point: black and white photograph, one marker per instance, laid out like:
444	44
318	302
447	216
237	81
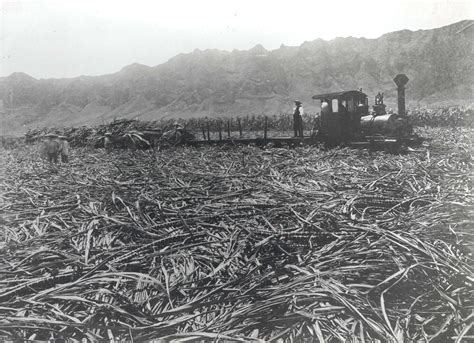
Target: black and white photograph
236	171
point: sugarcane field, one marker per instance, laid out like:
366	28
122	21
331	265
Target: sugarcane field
238	242
239	171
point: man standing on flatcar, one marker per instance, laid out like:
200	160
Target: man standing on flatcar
298	119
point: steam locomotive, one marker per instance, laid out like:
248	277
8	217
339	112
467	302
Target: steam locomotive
346	120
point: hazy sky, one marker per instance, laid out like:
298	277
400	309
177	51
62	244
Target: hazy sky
68	38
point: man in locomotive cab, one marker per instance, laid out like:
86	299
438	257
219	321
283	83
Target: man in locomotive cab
351	105
343	106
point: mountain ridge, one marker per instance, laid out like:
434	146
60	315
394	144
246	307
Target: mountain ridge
214	82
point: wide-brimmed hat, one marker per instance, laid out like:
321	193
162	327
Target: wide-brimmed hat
298	102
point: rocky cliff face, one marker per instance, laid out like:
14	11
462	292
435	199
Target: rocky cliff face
212	82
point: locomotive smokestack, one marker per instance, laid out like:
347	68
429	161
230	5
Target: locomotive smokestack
401	80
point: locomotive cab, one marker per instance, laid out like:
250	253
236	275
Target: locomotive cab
341	114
